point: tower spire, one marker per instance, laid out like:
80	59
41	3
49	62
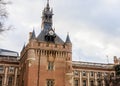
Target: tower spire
47	17
48	7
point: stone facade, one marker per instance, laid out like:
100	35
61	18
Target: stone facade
9	68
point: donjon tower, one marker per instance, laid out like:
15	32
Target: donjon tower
46	60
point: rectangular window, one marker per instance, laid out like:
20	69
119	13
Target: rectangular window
11	69
84	73
92	83
91	73
10	80
76	73
76	82
84	83
1	68
50	82
99	83
50	65
98	74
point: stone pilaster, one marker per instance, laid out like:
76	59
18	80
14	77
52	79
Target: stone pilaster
15	77
80	78
95	78
88	78
5	77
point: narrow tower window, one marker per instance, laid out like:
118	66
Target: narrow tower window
50	65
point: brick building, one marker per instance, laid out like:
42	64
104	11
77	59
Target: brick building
46	60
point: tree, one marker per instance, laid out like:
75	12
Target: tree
3	15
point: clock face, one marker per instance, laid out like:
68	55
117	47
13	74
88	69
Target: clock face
51	32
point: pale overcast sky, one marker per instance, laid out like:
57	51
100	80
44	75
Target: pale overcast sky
94	26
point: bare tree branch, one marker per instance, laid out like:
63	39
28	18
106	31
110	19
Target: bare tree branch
4	16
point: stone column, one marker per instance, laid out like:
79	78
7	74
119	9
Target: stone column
15	77
5	77
95	78
88	78
80	78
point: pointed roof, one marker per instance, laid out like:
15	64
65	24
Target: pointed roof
68	39
33	35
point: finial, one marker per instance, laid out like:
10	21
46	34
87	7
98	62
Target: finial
48	7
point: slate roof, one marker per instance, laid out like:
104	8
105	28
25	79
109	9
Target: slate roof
42	34
68	39
33	35
4	52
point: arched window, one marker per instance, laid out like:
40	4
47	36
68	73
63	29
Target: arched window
0	80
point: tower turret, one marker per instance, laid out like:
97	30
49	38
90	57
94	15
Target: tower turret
33	35
68	41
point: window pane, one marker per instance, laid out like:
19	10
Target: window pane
76	82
